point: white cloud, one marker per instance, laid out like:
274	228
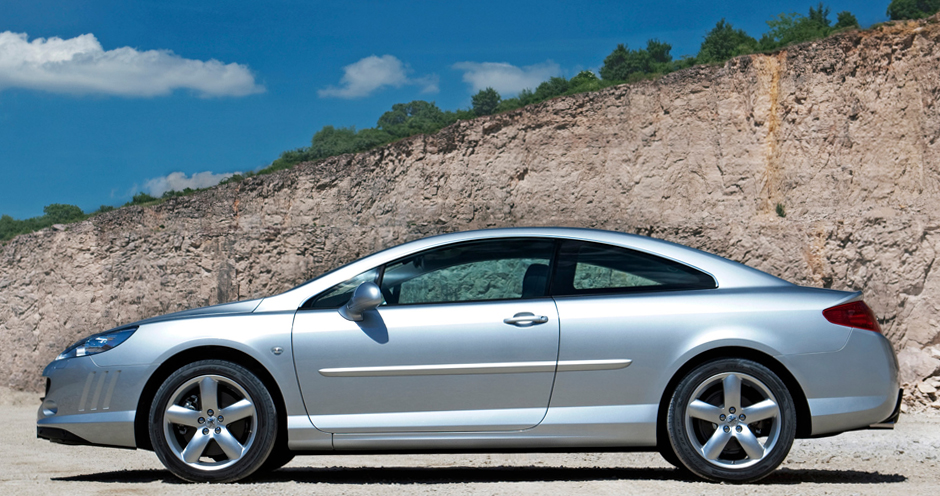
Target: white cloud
505	78
80	66
362	78
177	181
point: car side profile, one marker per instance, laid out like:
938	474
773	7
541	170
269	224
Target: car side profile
524	339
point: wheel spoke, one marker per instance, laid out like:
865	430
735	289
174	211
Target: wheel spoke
704	411
195	448
232	448
716	444
237	411
761	411
751	445
209	394
732	391
182	416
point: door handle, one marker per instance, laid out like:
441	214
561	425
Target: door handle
525	318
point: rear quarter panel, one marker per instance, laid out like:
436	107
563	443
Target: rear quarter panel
661	332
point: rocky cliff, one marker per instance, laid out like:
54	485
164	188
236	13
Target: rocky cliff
842	133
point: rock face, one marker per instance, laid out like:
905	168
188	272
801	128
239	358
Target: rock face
842	133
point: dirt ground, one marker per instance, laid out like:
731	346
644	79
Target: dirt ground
902	461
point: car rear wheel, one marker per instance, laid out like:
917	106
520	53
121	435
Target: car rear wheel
213	421
731	420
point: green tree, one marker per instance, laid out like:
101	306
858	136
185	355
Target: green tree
614	68
787	29
583	77
845	19
141	198
724	42
527	96
555	86
409	119
486	101
623	63
58	213
330	141
659	51
9	227
912	9
819	15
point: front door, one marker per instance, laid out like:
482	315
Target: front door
467	340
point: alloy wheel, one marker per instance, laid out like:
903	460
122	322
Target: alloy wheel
732	420
210	422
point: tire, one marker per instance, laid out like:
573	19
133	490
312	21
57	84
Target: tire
277	459
670	456
224	445
706	429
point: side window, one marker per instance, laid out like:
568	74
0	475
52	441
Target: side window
473	271
342	292
593	268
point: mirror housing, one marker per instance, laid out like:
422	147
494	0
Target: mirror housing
367	296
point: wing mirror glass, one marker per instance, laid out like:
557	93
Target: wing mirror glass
367	296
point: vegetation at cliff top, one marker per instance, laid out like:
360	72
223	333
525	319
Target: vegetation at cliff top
623	65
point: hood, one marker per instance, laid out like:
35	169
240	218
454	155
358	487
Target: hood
246	306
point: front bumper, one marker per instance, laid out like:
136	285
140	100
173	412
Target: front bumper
89	404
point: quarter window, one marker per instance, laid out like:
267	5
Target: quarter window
593	268
474	271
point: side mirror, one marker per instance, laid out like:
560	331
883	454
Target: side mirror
367	296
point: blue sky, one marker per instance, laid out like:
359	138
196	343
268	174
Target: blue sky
162	90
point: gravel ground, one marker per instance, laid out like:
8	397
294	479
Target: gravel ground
865	462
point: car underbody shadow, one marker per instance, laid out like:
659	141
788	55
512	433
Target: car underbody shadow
464	475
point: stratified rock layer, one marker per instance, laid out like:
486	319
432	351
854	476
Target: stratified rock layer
841	133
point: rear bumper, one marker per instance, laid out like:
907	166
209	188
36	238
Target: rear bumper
889	422
849	389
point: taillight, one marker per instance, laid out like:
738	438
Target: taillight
855	314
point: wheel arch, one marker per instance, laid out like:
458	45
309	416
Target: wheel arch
170	365
804	422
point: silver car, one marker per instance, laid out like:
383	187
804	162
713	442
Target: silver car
497	340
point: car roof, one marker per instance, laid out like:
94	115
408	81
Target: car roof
728	274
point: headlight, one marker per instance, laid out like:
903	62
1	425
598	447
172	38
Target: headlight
99	343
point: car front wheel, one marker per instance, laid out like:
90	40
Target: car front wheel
731	420
213	421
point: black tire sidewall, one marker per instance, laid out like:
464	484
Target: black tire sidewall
682	396
265	436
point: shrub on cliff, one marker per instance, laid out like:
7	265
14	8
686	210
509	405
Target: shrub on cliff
486	101
55	213
845	20
787	29
912	9
724	42
402	121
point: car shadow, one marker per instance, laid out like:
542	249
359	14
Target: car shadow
457	475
